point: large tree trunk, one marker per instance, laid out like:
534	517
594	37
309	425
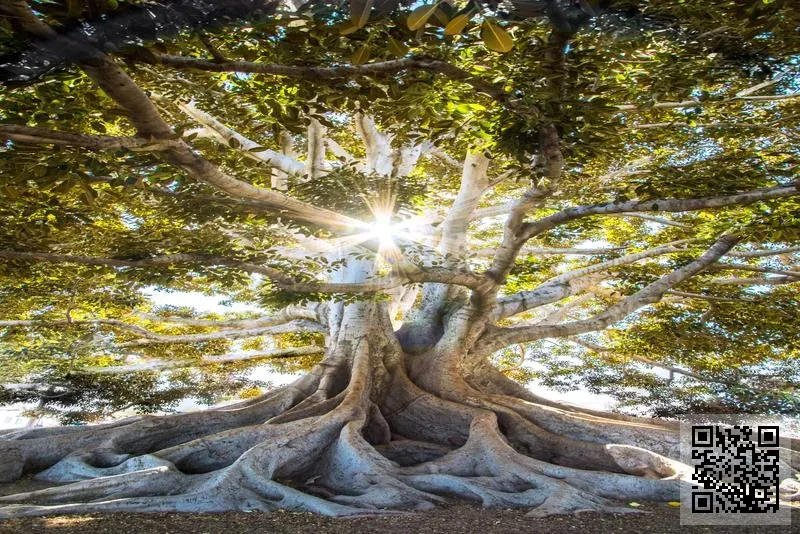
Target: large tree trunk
370	428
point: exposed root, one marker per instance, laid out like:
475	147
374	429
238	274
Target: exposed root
376	444
33	451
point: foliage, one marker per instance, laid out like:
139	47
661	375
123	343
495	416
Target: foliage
132	204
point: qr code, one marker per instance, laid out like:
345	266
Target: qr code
736	469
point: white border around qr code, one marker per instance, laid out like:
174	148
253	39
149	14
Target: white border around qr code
694	497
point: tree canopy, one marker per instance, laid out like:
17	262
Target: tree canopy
651	104
424	206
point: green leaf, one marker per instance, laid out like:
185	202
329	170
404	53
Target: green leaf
421	15
234	143
360	56
496	38
397	48
457	25
359	12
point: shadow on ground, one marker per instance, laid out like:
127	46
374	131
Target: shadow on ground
461	518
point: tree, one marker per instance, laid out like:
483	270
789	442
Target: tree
457	163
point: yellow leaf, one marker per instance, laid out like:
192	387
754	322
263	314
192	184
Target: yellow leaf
418	17
348	27
634	504
440	17
359	12
397	48
360	56
457	25
496	38
675	504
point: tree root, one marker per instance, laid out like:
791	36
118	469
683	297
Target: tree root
37	449
352	452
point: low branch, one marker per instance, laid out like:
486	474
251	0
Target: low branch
562	286
501	337
161	365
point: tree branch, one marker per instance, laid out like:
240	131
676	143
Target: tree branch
149	124
754	269
562	286
62	323
293	326
228	136
474	181
502	337
283	281
763	252
35	135
287	314
328	75
677	370
161	365
698	103
315	156
660	205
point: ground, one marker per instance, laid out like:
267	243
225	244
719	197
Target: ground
656	518
453	518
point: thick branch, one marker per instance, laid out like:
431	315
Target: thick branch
474	182
149	124
228	136
562	286
650	294
377	145
315	157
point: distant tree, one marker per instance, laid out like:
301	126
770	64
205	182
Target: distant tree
425	200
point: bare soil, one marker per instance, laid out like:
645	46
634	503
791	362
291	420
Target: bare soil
458	518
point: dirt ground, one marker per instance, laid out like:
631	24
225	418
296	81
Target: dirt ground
459	518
